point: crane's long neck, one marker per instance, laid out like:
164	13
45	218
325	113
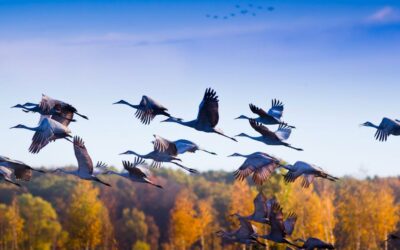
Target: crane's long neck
370	124
131	105
134	153
28	128
257	138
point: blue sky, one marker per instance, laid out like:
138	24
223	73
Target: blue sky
334	65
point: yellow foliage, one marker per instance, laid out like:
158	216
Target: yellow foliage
366	214
85	217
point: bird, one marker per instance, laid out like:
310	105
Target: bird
85	163
262	209
386	127
314	243
135	172
147	109
309	172
280	229
58	110
207	118
177	147
6	175
245	234
48	130
158	155
21	170
272	117
271	138
261	165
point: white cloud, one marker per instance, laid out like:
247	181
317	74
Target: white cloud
386	14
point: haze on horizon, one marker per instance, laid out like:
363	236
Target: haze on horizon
334	66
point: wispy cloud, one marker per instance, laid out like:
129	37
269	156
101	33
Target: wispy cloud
167	37
386	14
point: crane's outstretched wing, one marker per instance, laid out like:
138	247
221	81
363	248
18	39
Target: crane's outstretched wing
85	163
42	136
246	229
208	110
261	174
258	111
276	218
276	109
165	146
184	146
264	131
385	127
133	169
244	171
283	132
64	113
260	209
289	223
7	175
307	180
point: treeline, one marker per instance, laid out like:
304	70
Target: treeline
60	212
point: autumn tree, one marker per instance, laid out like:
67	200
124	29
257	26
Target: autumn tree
366	214
42	227
132	227
11	227
85	217
184	226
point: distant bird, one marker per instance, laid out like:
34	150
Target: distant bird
261	165
262	209
21	170
47	131
208	116
85	163
271	138
177	147
314	243
309	172
158	155
6	175
135	172
386	127
58	110
244	12
271	8
272	117
246	234
233	14
280	229
147	109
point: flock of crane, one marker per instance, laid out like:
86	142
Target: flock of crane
56	116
